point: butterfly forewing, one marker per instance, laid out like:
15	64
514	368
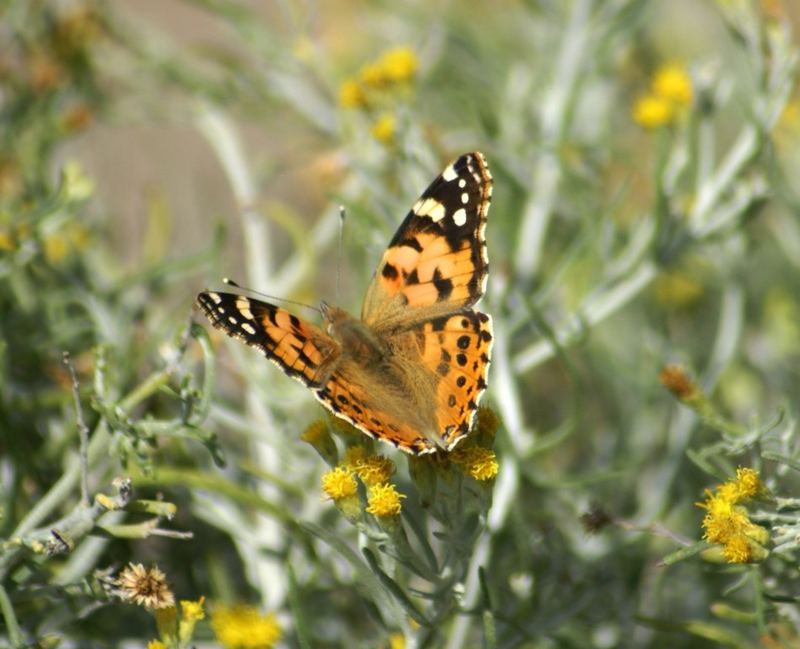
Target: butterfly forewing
438	255
301	349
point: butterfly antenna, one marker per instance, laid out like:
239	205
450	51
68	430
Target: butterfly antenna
230	282
340	254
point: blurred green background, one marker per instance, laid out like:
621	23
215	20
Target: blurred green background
644	215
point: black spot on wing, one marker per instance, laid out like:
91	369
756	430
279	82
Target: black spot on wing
444	285
389	272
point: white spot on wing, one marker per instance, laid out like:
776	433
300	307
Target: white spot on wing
460	216
430	207
462	183
449	174
249	329
232	320
465	198
243	304
215	297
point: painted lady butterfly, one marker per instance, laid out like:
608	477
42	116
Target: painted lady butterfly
412	369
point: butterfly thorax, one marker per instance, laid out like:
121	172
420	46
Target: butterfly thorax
354	336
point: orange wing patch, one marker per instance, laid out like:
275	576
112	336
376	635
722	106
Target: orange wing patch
458	349
352	403
438	254
300	349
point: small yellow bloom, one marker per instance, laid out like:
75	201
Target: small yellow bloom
480	463
339	483
728	524
352	94
191	614
383	500
156	644
191	610
737	550
383	130
375	470
399	64
748	483
397	641
244	627
652	112
672	83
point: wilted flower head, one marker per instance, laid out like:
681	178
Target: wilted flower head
145	586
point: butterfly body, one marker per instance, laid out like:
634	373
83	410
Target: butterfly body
412	368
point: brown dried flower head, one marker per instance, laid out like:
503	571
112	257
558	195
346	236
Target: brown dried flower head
145	586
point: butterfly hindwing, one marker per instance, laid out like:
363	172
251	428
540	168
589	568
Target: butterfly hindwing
438	255
458	349
354	403
302	350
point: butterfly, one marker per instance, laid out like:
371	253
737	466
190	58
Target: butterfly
411	370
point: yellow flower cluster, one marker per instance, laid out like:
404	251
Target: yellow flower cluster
372	469
339	484
244	627
370	88
478	462
670	92
727	523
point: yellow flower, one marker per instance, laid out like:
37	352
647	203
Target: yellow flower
480	463
737	550
244	627
652	112
145	586
374	470
339	483
383	500
156	644
191	614
352	95
728	524
723	522
191	610
397	641
383	130
399	64
672	83
748	483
